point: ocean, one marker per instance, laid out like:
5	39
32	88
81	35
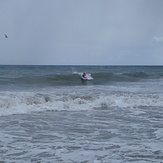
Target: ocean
49	115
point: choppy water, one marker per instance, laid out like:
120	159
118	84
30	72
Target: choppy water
47	114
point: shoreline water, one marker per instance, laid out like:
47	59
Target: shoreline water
102	135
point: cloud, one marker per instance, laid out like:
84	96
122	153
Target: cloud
158	39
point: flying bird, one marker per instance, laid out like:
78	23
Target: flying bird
6	36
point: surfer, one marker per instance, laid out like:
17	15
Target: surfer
6	36
84	75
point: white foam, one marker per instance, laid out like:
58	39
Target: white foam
159	133
138	112
25	102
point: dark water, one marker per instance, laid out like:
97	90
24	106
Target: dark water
21	77
47	114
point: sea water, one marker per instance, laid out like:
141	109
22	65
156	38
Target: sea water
48	114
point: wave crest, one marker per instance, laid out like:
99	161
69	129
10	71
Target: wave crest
22	103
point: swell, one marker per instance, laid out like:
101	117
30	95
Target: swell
74	79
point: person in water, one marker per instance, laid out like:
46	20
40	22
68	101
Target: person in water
84	75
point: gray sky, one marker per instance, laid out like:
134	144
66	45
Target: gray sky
95	32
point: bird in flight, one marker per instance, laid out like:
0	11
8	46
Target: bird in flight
6	36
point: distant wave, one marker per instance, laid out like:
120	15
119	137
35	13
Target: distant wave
74	79
137	75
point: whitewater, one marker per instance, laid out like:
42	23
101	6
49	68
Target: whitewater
48	114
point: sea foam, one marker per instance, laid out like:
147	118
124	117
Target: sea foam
26	102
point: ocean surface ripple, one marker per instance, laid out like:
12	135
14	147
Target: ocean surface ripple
47	114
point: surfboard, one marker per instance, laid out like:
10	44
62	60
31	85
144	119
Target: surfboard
88	77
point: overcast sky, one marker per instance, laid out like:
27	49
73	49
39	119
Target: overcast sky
92	32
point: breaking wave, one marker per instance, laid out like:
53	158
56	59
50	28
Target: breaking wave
22	103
